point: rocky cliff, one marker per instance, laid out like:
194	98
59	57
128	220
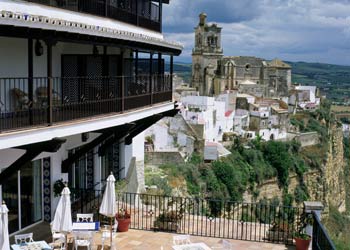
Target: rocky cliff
326	184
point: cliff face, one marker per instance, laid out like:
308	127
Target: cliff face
333	170
326	184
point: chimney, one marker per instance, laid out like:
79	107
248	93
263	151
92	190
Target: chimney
202	19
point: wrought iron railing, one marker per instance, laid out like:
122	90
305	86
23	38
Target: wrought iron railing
141	13
260	222
26	102
320	237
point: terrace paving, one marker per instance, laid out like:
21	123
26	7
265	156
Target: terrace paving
144	240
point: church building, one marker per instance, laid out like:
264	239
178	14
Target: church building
212	72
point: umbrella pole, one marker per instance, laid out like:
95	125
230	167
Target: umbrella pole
111	231
66	242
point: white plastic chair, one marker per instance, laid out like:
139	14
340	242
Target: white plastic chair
85	217
83	239
181	240
226	245
24	238
57	236
107	234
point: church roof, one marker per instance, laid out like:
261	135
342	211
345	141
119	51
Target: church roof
244	60
279	64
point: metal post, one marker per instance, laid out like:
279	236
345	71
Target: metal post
171	71
137	13
150	76
30	79
121	73
160	15
136	63
160	76
106	8
49	82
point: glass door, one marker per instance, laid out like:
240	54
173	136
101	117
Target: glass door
23	195
31	193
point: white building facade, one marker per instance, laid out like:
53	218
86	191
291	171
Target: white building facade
78	86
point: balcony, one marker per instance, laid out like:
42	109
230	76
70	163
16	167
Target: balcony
145	13
28	102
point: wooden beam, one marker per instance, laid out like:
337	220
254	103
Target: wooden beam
145	123
119	130
32	151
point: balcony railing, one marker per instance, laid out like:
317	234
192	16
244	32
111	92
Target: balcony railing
196	216
24	102
141	13
320	237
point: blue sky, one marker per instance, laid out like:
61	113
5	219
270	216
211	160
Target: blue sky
294	30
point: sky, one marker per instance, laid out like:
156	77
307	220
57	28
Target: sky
292	30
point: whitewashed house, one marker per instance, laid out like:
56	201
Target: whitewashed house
79	83
268	119
304	98
213	116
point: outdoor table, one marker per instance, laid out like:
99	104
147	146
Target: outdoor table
86	226
36	245
192	246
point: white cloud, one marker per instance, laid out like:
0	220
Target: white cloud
310	30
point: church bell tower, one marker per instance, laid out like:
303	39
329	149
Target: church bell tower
206	53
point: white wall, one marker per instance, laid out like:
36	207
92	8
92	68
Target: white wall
14	56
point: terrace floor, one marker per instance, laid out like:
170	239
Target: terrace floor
144	240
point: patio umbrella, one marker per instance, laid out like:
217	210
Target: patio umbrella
108	206
4	233
62	221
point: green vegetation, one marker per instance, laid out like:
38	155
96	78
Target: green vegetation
243	170
338	227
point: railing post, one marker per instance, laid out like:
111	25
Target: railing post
122	95
30	79
150	76
137	13
106	8
160	16
171	72
49	82
309	207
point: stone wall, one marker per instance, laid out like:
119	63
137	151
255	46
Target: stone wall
160	158
270	189
334	184
305	139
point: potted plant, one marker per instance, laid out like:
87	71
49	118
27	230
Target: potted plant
280	231
123	218
302	239
58	187
168	221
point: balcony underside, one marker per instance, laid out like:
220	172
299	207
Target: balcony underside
142	13
63	36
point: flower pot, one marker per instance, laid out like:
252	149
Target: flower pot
123	224
302	244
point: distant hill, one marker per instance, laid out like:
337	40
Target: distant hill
333	80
